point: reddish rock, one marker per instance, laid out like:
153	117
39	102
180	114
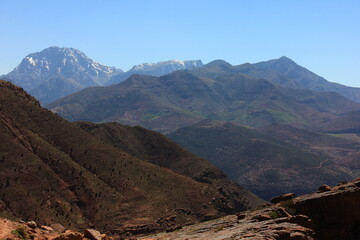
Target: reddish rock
284	197
31	224
335	213
283	212
302	220
324	188
92	234
70	235
57	227
262	217
47	228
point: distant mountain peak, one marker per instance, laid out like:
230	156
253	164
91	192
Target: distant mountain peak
285	58
218	62
55	72
174	64
157	69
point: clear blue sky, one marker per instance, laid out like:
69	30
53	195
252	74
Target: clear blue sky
321	35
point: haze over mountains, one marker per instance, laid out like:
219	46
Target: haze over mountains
183	98
56	72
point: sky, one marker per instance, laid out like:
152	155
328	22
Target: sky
321	35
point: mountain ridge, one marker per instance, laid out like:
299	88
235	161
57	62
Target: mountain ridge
185	97
157	69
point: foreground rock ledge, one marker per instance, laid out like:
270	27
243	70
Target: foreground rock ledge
330	214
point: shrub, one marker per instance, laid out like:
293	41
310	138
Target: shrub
20	232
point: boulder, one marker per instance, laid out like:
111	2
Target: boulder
57	227
284	197
324	188
70	235
31	224
92	234
47	228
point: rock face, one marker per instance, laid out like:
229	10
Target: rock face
256	225
336	212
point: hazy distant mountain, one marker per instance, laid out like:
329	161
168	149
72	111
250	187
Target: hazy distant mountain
157	69
56	72
287	73
181	99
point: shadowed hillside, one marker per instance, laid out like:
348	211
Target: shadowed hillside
69	176
265	165
156	148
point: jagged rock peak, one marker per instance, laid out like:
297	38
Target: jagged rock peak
60	60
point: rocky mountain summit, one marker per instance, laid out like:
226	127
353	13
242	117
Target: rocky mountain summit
329	213
287	73
55	72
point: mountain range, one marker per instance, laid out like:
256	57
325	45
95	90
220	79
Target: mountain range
115	182
183	98
178	103
156	69
57	72
285	72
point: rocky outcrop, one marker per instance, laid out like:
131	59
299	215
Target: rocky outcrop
284	197
30	230
329	213
335	211
93	234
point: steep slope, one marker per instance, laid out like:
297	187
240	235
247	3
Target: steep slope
180	99
157	149
71	177
156	69
56	72
264	165
287	73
